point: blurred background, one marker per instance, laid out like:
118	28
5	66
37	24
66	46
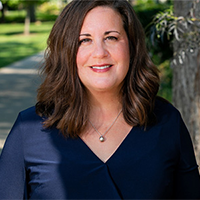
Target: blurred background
26	24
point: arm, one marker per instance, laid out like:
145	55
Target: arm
187	179
12	170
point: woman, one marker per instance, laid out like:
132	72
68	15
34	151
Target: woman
99	132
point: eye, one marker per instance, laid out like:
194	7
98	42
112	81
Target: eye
112	38
84	41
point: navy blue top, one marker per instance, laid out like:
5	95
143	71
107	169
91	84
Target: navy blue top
158	163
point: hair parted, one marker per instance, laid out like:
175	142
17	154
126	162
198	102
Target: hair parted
62	98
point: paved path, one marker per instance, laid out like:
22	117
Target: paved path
18	86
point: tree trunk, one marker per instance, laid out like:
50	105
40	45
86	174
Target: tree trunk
3	10
186	77
27	22
31	8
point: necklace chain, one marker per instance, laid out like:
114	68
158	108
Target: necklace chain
102	138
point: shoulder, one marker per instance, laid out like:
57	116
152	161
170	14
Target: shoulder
30	126
165	111
29	114
162	105
29	119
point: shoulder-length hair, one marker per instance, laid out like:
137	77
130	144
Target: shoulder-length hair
62	98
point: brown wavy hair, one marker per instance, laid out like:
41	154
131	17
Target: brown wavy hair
62	98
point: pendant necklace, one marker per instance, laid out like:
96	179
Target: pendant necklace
102	138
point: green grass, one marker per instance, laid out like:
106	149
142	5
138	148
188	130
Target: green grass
14	45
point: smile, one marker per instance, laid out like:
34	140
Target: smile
102	67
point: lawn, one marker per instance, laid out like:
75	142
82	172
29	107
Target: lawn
14	45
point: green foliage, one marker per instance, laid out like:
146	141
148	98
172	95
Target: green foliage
50	8
164	23
16	46
44	16
160	51
15	16
165	80
29	2
15	4
18	16
184	29
12	4
147	9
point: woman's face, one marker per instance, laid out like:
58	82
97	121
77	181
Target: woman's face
103	54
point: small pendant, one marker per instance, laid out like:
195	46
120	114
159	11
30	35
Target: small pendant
101	139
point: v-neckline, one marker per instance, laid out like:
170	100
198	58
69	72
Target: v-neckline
120	146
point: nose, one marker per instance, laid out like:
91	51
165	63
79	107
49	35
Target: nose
100	50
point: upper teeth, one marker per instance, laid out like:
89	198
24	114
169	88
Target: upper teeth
103	67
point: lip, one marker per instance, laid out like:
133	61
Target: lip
101	68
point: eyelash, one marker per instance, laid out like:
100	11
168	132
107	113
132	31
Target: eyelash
85	40
112	38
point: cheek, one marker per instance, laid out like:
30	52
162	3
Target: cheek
82	73
79	64
124	56
78	58
126	51
82	56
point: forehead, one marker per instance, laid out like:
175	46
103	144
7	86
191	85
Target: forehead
101	17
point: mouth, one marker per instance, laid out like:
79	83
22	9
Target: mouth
101	67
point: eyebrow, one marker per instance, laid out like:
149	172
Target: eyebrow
85	34
106	33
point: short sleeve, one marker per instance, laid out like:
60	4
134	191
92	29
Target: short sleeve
187	179
12	170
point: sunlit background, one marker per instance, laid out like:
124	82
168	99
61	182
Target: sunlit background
24	28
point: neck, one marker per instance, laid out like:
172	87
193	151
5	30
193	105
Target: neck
104	106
